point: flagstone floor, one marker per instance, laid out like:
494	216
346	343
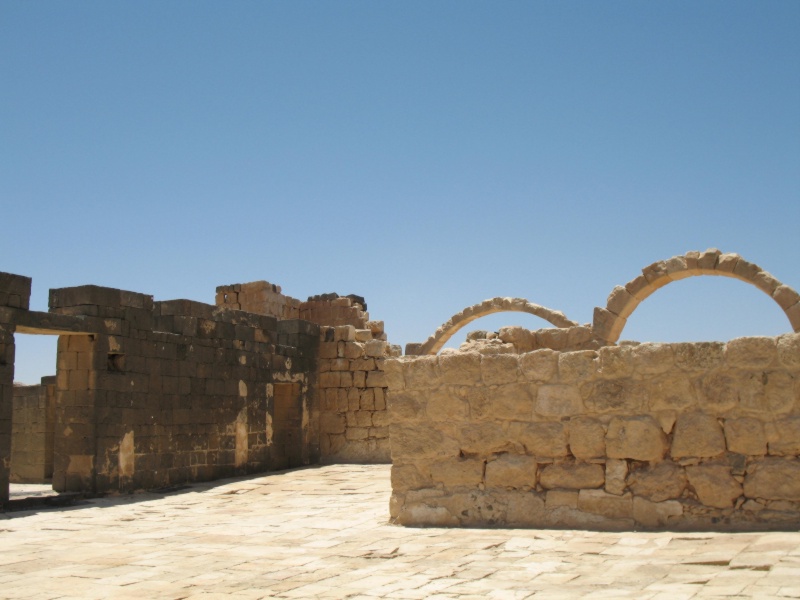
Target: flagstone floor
323	532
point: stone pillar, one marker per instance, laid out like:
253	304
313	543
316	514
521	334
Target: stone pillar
15	293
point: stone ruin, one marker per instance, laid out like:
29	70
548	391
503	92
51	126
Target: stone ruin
560	427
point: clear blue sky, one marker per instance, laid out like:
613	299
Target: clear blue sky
426	155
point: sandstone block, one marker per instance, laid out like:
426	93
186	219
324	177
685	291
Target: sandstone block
375	348
561	498
510	470
558	401
419	441
457	472
661	482
463	368
650	358
500	368
353	350
785	296
408	477
344	333
614	394
356	433
615	361
421	514
444	405
671	393
421	372
599	502
484	439
750	352
773	479
746	436
539	365
545	440
510	402
789	350
699	356
577	366
376	379
587	438
524	509
655	514
572	475
788	437
393	369
616	474
330	422
621	302
639	438
714	484
363	335
720	391
405	405
697	434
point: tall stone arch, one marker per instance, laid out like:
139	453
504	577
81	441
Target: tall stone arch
494	305
623	300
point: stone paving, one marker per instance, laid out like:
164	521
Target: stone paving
323	533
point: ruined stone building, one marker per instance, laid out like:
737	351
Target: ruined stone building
560	427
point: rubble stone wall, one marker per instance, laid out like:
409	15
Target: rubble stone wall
680	436
33	418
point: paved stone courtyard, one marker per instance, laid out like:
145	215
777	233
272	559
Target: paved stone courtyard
323	533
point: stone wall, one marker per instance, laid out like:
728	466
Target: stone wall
169	392
352	389
683	436
33	419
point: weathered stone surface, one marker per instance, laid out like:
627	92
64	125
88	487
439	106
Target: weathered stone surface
714	484
699	356
623	395
524	509
461	368
408	477
773	479
542	439
651	359
576	366
510	402
510	470
661	482
454	473
639	438
608	505
746	436
498	369
332	422
616	474
789	350
561	498
788	438
446	405
671	393
655	514
419	513
750	352
420	441
422	372
572	475
720	391
697	434
405	405
539	365
587	438
615	361
558	401
484	439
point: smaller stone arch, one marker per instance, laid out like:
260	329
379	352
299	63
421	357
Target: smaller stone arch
494	305
623	300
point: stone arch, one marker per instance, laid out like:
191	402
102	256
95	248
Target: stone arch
494	305
623	300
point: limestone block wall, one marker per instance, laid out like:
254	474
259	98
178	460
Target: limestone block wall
680	436
177	391
32	432
352	390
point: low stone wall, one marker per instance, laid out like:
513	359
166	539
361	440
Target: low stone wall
680	436
32	420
